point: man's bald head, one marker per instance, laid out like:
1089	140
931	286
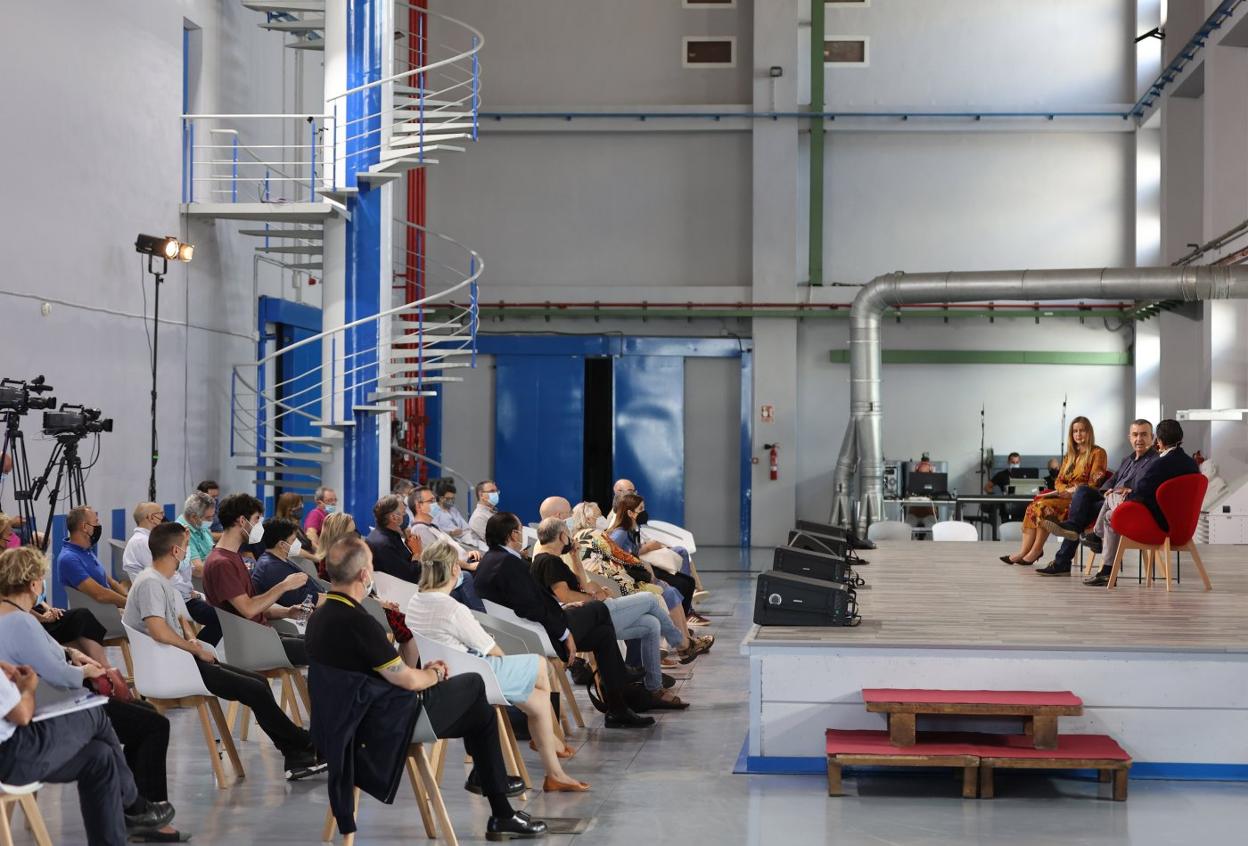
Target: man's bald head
555	506
624	486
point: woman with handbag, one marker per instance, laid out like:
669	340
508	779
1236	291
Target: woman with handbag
144	733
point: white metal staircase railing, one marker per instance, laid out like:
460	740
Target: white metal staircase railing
285	431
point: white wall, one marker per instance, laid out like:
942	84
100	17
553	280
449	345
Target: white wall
93	92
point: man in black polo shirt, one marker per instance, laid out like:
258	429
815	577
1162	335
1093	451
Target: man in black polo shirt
341	634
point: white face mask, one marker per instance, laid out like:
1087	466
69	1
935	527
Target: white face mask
256	533
368	586
296	547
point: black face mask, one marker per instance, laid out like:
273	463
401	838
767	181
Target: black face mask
643	518
567	547
96	532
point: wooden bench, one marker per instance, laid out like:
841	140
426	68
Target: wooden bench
1074	752
1040	709
849	747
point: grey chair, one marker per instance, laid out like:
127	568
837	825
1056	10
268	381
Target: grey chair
421	773
306	566
1011	531
109	616
890	530
251	646
374	609
612	586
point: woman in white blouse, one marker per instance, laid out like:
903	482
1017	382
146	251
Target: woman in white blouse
524	679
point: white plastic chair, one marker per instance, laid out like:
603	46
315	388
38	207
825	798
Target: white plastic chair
516	640
168	678
251	646
22	796
1011	531
393	589
459	662
890	530
670	534
954	530
530	536
560	669
612	586
109	616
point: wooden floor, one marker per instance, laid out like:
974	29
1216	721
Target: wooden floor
961	595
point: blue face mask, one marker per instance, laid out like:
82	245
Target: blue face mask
330	509
407	521
434	509
492	497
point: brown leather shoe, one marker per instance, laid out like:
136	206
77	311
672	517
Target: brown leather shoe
564	753
550	785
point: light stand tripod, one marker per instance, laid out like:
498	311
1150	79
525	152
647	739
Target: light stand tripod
982	468
15	445
67	463
160	278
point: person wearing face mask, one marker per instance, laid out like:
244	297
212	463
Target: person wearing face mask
625	531
445	515
326	500
391	554
662	551
487	495
289	506
78	565
422	501
281	543
210	489
227	583
135	559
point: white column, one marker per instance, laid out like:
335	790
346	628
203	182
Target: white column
333	276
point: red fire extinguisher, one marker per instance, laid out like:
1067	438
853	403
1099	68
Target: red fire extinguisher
774	461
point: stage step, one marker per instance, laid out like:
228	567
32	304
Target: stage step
1040	708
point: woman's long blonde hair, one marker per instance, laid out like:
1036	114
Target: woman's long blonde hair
336	526
1072	452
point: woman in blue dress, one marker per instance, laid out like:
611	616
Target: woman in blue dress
524	679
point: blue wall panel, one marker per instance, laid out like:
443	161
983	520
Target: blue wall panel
650	431
539	435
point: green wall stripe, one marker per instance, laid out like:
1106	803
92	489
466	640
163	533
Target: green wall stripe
1121	359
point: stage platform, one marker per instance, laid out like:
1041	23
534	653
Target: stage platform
1164	673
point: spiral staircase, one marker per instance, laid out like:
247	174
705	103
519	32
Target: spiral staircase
287	176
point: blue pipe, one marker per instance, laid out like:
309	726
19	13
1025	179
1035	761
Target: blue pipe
1186	54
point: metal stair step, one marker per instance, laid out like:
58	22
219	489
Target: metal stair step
382	396
318	457
326	439
426	367
306	265
373	409
400	164
293	249
306	44
301	234
292	6
334	424
412	358
314	472
293	484
286	212
405	381
303	25
378	178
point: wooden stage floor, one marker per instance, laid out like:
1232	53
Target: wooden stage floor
925	594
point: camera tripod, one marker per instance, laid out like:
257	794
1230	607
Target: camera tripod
67	464
15	446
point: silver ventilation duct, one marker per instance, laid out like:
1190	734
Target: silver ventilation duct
862	447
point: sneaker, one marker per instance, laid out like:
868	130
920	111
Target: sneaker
1064	529
303	765
699	595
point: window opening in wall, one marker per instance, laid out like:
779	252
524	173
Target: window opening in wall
599	433
845	50
710	52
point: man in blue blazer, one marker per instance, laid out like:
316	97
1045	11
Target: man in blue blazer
1171	462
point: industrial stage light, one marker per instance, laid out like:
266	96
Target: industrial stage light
168	247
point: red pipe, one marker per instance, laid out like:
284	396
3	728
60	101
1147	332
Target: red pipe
1026	307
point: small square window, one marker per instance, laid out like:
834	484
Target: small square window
845	50
709	52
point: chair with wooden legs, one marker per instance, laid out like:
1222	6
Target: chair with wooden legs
251	646
24	797
558	668
460	662
516	640
168	678
1179	499
420	772
110	618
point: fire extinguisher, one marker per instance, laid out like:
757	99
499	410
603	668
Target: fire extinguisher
774	460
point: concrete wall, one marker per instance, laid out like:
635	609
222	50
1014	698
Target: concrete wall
96	161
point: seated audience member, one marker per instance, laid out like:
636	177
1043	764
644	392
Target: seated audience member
342	635
640	617
1171	462
10	538
325	503
1002	481
342	525
1091	506
524	679
77	628
155	608
421	501
289	506
227	583
1084	464
212	490
1050	477
143	732
657	550
402	489
79	748
135	558
449	519
392	553
625	531
504	577
281	543
79	567
198	513
487	494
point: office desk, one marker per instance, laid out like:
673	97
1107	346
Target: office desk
904	506
989	499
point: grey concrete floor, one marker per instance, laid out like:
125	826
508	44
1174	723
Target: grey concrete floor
674	782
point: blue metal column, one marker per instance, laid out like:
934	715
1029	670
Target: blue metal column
361	458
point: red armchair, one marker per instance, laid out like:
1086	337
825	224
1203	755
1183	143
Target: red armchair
1180	500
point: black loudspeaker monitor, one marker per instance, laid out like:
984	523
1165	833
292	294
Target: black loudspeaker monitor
826	529
816	543
783	599
814	565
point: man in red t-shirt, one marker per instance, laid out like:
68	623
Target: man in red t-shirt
227	582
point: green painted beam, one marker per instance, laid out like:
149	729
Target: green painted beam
1121	359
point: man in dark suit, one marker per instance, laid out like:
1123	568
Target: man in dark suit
503	576
1171	462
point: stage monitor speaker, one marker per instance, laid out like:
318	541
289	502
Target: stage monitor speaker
782	599
815	565
817	543
825	529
